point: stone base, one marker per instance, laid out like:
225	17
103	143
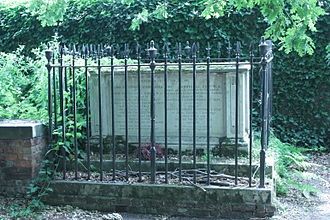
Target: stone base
227	147
22	145
173	200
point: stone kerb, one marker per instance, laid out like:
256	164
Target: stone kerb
175	200
222	104
22	145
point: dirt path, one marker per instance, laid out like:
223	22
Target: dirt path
304	205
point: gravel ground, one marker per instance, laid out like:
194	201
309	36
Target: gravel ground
297	205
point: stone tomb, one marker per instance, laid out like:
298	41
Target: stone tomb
222	105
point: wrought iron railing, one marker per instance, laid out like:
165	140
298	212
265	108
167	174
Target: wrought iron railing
76	103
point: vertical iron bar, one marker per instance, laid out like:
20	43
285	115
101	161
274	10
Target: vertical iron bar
68	75
263	51
139	109
66	89
193	50
251	116
219	51
270	96
113	115
62	109
236	112
64	113
87	114
165	110
198	52
229	48
208	112
180	111
126	113
152	53
54	91
270	89
100	114
49	54
75	142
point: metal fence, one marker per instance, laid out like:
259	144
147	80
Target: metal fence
73	70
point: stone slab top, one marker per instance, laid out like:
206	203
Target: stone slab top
21	129
220	68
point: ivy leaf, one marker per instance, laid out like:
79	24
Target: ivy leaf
161	11
49	12
139	19
213	8
127	2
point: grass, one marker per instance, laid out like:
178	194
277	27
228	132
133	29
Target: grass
290	165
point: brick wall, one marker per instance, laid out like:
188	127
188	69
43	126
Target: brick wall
22	146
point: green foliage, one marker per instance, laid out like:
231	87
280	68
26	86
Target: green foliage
49	12
214	8
301	91
19	27
23	94
23	86
139	19
289	22
27	210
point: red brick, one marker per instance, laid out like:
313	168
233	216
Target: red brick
27	151
24	143
26	157
37	141
10	156
23	163
20	160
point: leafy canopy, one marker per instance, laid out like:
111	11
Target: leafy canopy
290	22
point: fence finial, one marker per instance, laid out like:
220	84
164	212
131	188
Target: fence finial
166	49
251	49
194	50
238	48
179	50
138	50
229	48
197	47
126	51
74	50
208	49
152	50
108	50
219	50
85	51
187	49
263	47
48	54
99	51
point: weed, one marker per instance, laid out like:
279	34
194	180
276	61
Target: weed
290	164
